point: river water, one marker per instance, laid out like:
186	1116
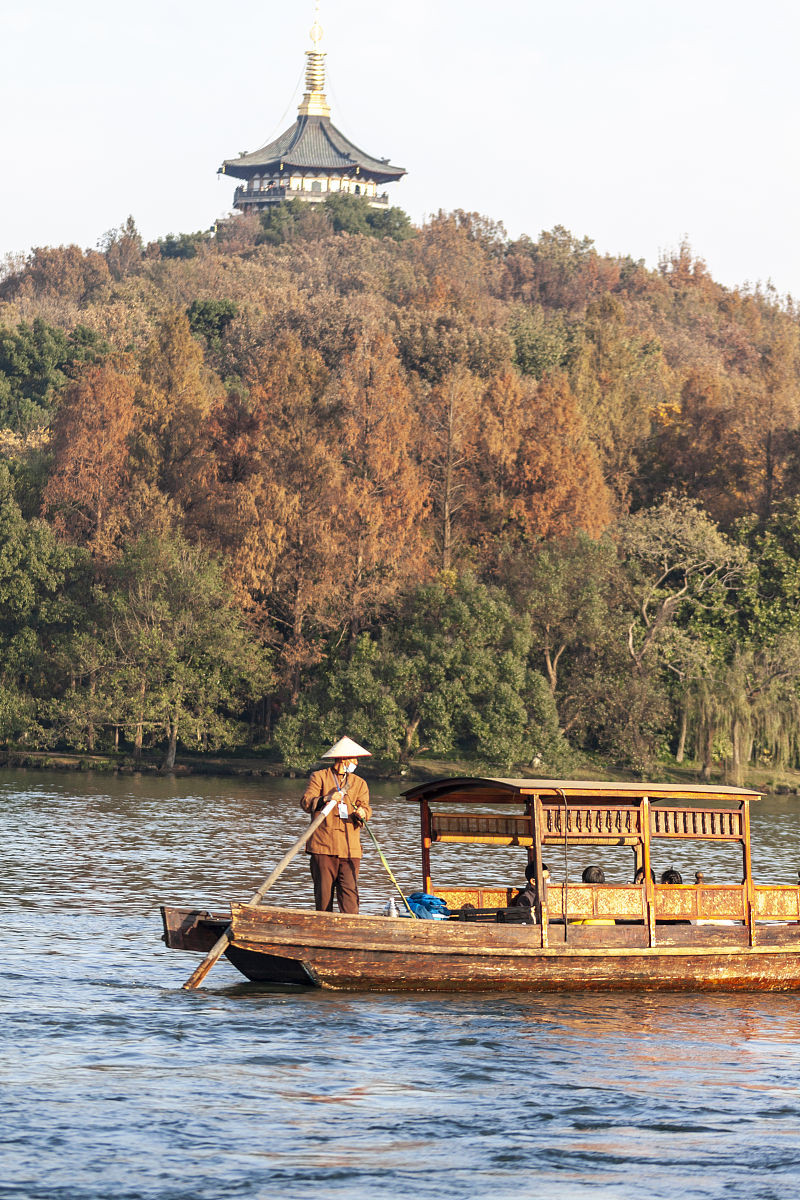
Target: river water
116	1083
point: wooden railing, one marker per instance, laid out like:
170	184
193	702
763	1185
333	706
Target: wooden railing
714	824
590	821
481	828
589	824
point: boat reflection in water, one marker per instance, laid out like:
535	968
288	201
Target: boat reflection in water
575	936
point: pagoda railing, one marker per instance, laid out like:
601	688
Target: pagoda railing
275	195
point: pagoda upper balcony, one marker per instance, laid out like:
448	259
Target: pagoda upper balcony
259	197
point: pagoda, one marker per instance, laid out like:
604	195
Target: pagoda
312	159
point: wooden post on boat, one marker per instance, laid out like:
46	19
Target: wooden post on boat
750	894
221	945
649	889
565	891
425	837
535	814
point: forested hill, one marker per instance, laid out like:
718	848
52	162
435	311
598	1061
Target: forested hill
513	501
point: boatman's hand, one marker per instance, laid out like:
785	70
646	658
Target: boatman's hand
359	816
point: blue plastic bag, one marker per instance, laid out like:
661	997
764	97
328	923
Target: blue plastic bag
427	907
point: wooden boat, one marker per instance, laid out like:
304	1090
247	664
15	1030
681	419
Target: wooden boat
647	936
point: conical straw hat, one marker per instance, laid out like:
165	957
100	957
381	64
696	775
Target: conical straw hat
347	748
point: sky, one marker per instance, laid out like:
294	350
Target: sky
637	123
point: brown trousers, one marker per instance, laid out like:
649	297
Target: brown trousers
341	874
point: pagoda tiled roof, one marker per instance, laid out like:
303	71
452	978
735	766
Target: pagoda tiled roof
313	143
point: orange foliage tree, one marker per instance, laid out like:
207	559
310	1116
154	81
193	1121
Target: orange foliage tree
536	473
86	491
383	497
174	399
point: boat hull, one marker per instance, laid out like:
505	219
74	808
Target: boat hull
362	953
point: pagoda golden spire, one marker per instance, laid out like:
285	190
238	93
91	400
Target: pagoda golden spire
314	102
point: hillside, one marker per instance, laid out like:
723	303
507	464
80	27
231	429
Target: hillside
507	501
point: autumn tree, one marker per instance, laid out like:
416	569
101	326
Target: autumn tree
696	448
123	248
558	271
59	272
777	418
86	491
619	378
271	503
449	417
174	399
383	498
561	480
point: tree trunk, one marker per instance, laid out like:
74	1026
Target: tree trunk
137	742
708	753
681	751
448	482
411	729
447	527
736	762
172	745
769	476
91	731
298	615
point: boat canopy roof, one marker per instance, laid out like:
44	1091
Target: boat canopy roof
508	791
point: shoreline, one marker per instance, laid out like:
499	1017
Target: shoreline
779	783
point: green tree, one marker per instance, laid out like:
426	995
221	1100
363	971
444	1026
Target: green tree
185	663
35	613
182	245
210	318
541	340
279	222
566	586
390	223
673	553
450	674
36	360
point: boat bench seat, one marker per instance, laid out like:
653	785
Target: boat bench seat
488	897
598	901
627	902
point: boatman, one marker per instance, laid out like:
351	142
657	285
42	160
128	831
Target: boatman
335	848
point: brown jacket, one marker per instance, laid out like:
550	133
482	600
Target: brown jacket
334	835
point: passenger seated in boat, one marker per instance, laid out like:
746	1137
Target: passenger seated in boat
526	897
672	877
639	876
593	875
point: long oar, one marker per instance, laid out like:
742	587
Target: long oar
389	872
219	947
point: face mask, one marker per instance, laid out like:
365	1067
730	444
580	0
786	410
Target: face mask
350	768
